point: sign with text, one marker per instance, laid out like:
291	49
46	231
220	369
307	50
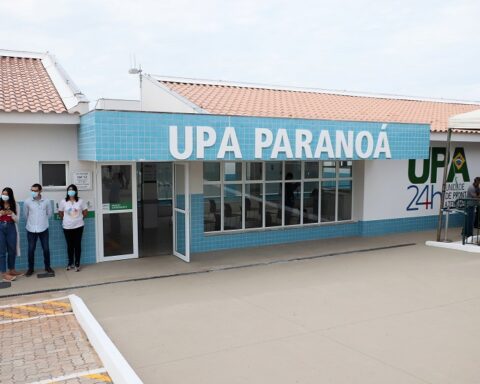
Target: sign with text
144	136
83	180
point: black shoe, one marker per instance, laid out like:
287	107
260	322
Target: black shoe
29	273
49	270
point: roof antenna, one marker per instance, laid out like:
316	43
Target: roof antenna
137	71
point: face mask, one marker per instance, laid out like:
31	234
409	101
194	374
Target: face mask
71	193
5	197
34	194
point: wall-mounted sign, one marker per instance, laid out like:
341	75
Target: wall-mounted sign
120	206
166	137
83	180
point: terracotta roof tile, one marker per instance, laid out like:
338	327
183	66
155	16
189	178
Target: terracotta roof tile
25	86
264	102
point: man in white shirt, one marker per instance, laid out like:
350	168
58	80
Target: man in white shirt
37	212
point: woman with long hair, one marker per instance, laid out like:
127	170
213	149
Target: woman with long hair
72	211
9	215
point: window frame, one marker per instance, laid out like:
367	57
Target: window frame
54	187
263	181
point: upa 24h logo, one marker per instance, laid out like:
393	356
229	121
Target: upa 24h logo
426	187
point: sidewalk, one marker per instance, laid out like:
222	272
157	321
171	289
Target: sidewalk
382	310
163	266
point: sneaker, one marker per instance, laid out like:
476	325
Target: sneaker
68	267
77	269
7	277
13	272
29	273
49	270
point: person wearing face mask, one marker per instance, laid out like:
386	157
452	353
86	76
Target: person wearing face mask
9	214
72	211
37	211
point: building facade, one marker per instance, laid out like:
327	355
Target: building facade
195	166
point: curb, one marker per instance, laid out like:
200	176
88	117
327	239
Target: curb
117	367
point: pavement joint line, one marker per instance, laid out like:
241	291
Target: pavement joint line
27	318
379	360
212	269
34	302
71	376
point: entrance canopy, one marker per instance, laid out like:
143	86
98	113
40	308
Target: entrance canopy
468	121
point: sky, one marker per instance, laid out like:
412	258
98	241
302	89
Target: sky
418	48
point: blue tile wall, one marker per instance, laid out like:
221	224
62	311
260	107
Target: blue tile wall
130	136
58	246
87	137
202	243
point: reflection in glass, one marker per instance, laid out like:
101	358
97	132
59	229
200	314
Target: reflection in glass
327	209
253	205
345	169
180	243
116	186
254	171
292	202
180	186
328	169
232	204
117	234
310	202
212	205
273	204
232	171
345	200
273	170
311	170
211	171
293	168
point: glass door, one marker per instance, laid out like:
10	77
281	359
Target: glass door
118	219
181	211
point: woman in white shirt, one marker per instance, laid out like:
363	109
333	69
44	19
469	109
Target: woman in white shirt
72	211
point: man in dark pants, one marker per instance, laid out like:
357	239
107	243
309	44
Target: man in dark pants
37	212
473	192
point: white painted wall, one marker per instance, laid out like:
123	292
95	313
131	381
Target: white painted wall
386	183
25	146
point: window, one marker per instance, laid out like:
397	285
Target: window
247	195
53	174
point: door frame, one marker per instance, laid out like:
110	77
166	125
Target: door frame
99	209
185	211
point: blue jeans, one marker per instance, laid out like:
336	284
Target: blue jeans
8	246
32	243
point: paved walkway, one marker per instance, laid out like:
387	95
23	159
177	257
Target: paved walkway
170	265
42	342
407	314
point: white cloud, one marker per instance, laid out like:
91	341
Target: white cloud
418	48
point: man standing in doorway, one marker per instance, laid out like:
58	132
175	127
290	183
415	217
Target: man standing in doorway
473	192
37	212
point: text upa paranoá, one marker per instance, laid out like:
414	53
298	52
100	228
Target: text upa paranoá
269	144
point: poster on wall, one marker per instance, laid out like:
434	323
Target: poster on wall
426	178
83	180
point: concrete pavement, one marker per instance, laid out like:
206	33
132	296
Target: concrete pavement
398	315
